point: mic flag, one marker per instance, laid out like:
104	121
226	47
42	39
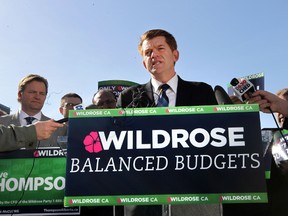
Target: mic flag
242	88
221	96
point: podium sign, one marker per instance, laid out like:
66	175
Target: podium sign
32	182
180	155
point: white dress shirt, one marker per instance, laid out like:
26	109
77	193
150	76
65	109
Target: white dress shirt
171	92
23	115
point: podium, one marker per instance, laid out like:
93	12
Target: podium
170	156
159	157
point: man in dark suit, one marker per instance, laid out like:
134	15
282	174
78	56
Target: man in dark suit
158	49
32	92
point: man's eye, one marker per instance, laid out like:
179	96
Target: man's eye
148	53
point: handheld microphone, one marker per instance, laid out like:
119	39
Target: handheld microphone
285	124
242	89
62	120
221	96
136	98
139	99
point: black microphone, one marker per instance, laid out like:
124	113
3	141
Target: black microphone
242	88
62	120
221	96
140	99
136	98
285	124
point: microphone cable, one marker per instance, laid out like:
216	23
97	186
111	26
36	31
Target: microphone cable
31	170
29	174
278	128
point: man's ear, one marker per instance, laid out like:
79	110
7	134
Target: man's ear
176	55
143	62
19	96
61	110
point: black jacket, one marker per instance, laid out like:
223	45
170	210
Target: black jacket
188	94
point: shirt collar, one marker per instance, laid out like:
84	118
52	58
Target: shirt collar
23	115
173	83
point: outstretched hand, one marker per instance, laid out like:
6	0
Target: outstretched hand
268	101
44	129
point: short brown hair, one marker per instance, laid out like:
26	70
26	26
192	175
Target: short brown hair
70	95
282	92
28	79
148	35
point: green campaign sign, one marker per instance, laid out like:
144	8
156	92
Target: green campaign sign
33	178
117	86
175	155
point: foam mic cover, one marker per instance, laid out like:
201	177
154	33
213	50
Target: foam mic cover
285	124
221	96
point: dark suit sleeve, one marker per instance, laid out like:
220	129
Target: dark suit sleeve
194	94
210	95
16	137
125	98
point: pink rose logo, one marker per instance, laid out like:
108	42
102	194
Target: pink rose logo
92	143
36	153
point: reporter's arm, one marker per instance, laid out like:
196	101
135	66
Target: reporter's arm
268	100
44	129
16	137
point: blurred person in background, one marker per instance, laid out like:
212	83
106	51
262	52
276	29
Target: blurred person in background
68	101
104	99
32	93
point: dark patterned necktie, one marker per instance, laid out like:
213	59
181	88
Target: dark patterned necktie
163	100
29	120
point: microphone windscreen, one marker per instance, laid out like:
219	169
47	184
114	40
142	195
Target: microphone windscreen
285	124
234	82
221	96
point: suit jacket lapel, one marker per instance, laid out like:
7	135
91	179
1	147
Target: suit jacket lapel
149	93
15	119
182	97
43	117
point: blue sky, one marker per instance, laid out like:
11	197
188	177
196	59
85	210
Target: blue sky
76	43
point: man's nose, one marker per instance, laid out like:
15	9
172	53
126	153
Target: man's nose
37	95
154	53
